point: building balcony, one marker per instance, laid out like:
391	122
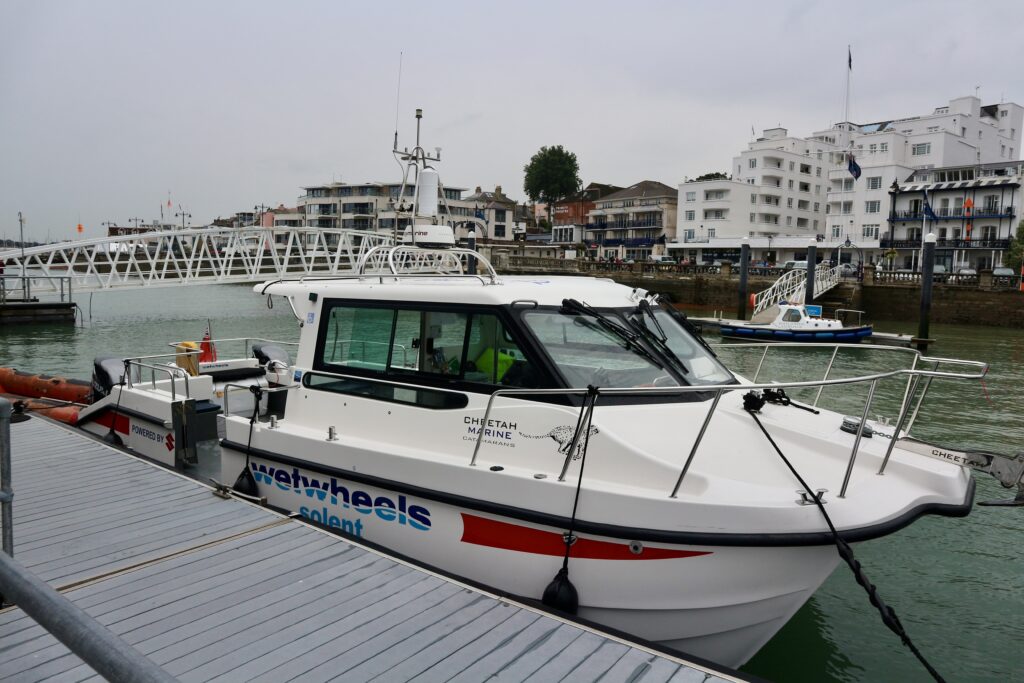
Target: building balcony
984	212
624	225
943	243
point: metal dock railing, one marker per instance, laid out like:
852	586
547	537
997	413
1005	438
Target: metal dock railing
214	589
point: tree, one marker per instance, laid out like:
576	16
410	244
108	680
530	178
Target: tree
552	174
1015	254
711	176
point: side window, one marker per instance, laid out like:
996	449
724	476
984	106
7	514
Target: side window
429	341
792	316
493	357
358	338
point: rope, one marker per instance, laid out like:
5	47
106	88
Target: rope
887	613
588	411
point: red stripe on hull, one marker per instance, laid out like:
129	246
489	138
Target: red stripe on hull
495	534
121	425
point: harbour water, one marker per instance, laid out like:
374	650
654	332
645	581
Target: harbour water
957	584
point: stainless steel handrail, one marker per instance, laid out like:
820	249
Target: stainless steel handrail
720	389
173	372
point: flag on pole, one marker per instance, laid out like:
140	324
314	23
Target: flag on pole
207	349
849	58
928	213
852	166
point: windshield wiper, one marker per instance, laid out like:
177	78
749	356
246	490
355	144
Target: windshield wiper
685	324
657	340
629	339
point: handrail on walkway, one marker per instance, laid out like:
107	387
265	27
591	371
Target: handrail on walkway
106	652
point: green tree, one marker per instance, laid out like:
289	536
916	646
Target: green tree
552	174
711	176
1015	254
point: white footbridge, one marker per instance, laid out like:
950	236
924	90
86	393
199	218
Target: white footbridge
192	257
792	287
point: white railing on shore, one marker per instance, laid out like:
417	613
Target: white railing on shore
193	256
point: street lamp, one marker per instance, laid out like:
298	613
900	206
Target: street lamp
183	216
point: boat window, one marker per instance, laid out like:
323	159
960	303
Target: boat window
493	357
432	340
703	367
586	353
792	316
359	338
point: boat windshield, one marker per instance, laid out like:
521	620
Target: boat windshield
588	351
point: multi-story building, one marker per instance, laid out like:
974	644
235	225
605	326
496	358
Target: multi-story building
955	143
569	216
784	189
974	215
375	207
778	187
633	223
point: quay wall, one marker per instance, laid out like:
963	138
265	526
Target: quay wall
976	303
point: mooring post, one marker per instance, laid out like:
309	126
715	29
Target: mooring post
741	307
6	487
472	246
812	263
927	273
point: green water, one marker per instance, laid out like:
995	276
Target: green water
957	584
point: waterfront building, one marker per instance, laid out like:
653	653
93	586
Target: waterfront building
373	207
569	215
974	214
785	190
634	223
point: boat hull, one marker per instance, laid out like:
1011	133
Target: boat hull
718	602
842	335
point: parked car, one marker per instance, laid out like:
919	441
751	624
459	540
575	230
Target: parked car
1003	272
790	265
965	276
847	270
939	273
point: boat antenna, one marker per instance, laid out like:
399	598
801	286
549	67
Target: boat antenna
398	96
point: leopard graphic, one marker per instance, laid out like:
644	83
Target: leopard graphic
562	435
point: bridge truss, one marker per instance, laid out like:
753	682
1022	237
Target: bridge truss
792	286
192	257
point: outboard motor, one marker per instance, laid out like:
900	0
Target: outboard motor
266	353
107	371
269	356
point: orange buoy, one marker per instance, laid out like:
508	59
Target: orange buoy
44	386
62	413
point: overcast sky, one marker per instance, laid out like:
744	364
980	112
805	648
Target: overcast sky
108	106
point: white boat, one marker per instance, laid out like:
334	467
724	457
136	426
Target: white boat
485	425
799	323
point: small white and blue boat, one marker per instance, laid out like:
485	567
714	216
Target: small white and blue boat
797	323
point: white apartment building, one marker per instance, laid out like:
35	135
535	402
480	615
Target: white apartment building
784	189
372	206
955	143
779	187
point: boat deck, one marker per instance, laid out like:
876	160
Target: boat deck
215	589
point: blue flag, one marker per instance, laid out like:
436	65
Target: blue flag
929	214
852	166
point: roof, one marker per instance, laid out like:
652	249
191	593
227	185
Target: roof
546	291
645	188
998	181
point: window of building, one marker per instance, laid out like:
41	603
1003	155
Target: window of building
1002	114
805	169
691	196
847	208
711	232
750	181
847	184
753	163
817	206
872	148
805	187
751	218
869	231
789	202
872	206
875	182
921	148
499	230
789	220
753	199
791	166
817	171
883	146
815	225
837	231
691	215
791	184
714	214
